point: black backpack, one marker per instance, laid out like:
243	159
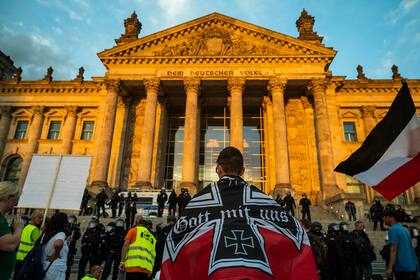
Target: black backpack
364	252
32	268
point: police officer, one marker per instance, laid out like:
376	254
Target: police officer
127	209
114	203
100	203
72	230
121	203
161	200
332	267
85	201
345	252
289	201
319	247
91	242
377	214
115	234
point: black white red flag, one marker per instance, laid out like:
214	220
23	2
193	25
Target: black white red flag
232	230
389	158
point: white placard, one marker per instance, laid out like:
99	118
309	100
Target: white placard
69	186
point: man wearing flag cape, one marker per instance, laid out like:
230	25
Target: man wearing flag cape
232	230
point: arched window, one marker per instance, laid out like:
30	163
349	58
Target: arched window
13	168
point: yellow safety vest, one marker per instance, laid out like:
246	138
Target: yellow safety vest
88	277
143	251
26	242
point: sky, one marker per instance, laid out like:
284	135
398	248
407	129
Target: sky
67	34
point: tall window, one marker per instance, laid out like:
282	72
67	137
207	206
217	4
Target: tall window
354	185
13	167
54	130
350	132
87	131
21	128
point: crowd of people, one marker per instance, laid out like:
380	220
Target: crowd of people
45	248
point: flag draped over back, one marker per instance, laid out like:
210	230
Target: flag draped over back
389	158
231	230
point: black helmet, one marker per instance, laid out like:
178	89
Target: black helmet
333	227
110	227
93	224
72	219
344	226
316	226
119	223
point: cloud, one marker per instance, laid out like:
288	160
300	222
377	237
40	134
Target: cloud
74	15
405	7
173	11
387	61
34	53
58	30
82	3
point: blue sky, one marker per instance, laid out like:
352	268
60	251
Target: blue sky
67	34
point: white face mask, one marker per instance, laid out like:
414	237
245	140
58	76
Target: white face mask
345	227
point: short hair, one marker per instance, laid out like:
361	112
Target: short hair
358	222
8	188
394	214
231	160
36	213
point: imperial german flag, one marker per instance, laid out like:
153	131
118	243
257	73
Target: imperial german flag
389	158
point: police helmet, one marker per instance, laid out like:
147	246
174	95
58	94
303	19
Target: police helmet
316	226
93	224
344	226
72	219
110	227
119	223
333	227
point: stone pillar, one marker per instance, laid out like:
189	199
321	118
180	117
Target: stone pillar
236	87
69	128
189	167
277	88
35	130
329	186
369	122
105	139
148	133
4	126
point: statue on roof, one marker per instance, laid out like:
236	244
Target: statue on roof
132	29
18	75
79	76
360	74
305	26
48	77
395	74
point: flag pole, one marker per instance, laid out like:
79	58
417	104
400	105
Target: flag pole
52	188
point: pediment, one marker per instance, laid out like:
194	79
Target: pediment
216	35
349	114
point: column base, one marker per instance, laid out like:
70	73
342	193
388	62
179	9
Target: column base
190	186
143	186
281	189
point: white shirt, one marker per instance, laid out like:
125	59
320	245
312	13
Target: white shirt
59	264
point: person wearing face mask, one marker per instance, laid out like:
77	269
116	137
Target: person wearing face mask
332	256
91	241
364	253
345	252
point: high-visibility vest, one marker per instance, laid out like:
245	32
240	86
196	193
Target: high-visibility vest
143	251
26	242
88	277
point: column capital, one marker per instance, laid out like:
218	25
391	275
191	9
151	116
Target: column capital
112	85
236	84
38	110
151	84
192	84
305	102
71	111
5	110
368	111
317	85
277	84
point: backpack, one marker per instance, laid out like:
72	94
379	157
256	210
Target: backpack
32	267
319	249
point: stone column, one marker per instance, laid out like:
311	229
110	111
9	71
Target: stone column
277	88
70	126
369	122
236	87
34	134
329	186
4	126
148	133
105	139
189	167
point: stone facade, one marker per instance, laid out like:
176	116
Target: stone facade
311	120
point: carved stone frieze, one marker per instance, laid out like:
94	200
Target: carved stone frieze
215	41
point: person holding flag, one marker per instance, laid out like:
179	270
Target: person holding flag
389	158
232	230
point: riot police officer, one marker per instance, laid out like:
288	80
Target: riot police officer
115	234
91	242
332	267
319	247
72	231
345	252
